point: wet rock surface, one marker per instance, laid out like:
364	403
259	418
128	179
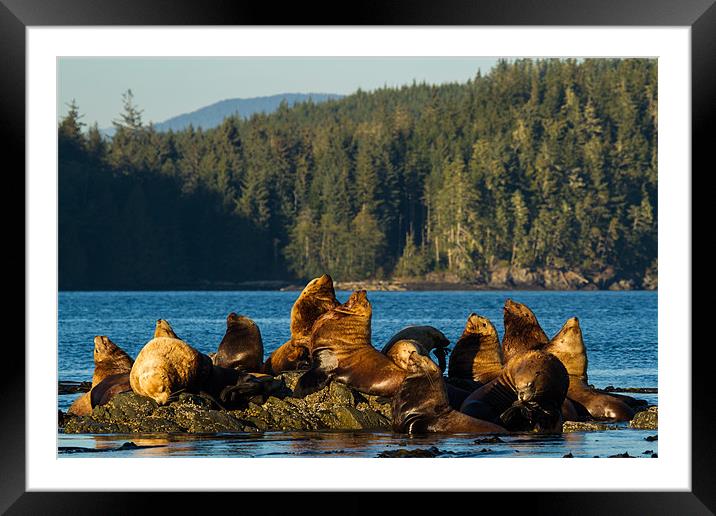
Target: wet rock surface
646	419
335	407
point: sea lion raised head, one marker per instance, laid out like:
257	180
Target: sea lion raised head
477	354
430	338
242	347
568	346
522	331
164	329
109	359
316	299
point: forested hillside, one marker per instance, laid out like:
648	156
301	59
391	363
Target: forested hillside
539	165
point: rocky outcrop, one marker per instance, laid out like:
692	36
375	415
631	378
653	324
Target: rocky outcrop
336	407
646	420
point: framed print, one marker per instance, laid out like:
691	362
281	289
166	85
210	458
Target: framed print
259	251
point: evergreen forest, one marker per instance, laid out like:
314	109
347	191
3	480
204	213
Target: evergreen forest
537	165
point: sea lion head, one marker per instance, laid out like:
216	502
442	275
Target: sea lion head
540	376
400	352
317	298
238	321
522	330
568	346
479	325
107	352
164	329
357	304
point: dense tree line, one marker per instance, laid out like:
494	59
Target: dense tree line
540	163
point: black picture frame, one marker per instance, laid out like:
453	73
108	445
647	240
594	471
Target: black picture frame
16	15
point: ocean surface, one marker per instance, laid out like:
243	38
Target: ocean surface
620	332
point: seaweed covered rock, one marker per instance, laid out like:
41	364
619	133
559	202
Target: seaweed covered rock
335	407
646	420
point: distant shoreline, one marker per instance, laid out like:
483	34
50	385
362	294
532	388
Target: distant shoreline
370	285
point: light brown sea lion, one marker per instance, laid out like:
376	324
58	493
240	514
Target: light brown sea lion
568	346
164	329
522	331
421	404
109	360
317	298
400	351
429	337
477	354
341	350
242	347
528	395
166	366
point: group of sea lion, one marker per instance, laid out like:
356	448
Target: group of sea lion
529	383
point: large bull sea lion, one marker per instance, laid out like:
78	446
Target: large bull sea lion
429	337
341	350
241	347
421	404
477	354
568	346
317	298
109	360
528	394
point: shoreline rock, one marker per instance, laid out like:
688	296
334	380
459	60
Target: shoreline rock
335	407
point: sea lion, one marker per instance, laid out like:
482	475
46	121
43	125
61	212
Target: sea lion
166	366
430	338
522	331
341	350
421	404
109	388
317	298
477	354
242	347
568	346
164	329
528	394
109	359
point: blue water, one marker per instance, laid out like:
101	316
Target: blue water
620	328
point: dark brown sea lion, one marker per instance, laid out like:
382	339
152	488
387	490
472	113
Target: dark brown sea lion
477	354
317	298
522	331
109	360
242	347
109	388
528	395
341	350
568	346
430	338
421	404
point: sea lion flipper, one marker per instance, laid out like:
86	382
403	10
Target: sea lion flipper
318	376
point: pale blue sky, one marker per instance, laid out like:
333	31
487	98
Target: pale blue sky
165	87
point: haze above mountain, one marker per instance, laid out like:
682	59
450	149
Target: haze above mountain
213	114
